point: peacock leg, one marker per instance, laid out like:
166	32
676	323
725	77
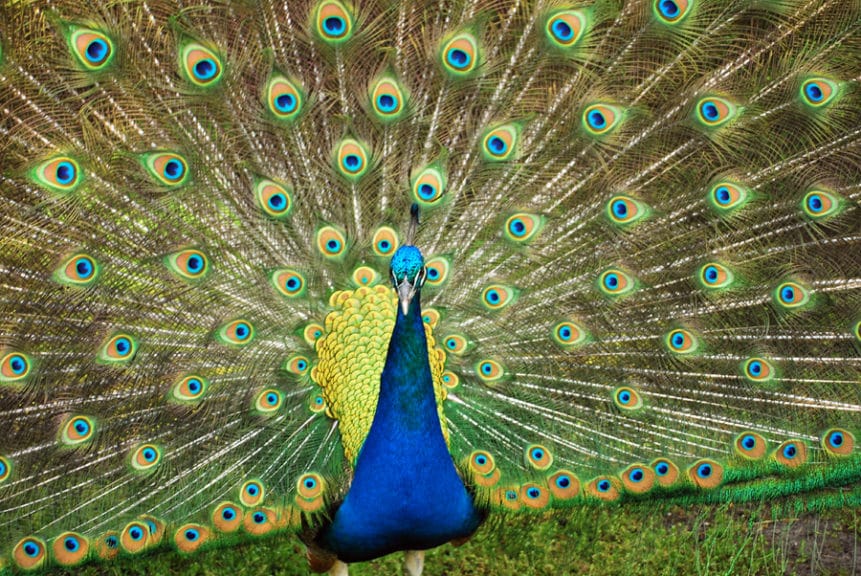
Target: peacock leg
414	562
339	569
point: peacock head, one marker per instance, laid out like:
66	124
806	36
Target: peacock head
408	274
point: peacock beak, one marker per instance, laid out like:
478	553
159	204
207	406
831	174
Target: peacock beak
407	288
406	292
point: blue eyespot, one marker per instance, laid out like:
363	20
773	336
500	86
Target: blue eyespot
31	549
386	102
787	294
562	31
678	340
517	228
533	493
285	103
259	517
563	481
813	92
427	191
277	201
334	25
242	331
620	209
65	173
352	162
497	145
704	470
755	367
711	274
123	345
668	8
228	514
749	442
205	69
136	533
252	490
111	542
481	460
149	454
789	451
191	535
611	281
836	439
604	486
624	397
662	469
637	475
723	195
81	427
18	364
173	169
310	483
709	110
596	120
71	544
84	267
510	495
194	264
96	51
458	58
194	385
814	203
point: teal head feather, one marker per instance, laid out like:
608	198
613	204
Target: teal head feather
408	274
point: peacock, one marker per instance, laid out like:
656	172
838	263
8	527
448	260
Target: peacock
377	273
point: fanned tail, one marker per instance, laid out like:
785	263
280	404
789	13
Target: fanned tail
640	220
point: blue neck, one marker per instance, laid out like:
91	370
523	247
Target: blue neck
406	493
407	402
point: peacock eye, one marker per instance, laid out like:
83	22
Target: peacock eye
601	119
460	55
61	174
201	66
334	22
284	98
387	100
352	159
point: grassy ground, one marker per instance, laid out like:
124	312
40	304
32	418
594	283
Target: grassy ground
585	541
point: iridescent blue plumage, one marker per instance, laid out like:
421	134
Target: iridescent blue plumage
406	493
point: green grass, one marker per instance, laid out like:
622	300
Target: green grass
583	541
